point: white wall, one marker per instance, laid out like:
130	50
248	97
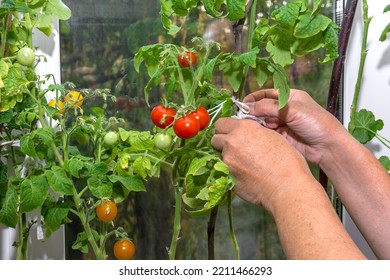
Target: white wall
54	247
375	90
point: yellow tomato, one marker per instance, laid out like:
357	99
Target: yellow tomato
57	104
74	99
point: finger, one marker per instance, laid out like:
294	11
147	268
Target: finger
225	125
218	141
268	108
261	94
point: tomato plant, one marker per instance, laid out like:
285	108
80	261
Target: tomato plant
26	56
106	211
162	116
272	46
124	249
186	58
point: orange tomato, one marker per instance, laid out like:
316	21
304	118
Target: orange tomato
58	104
106	211
124	249
74	99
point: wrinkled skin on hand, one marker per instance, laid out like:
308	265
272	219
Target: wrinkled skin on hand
303	122
258	157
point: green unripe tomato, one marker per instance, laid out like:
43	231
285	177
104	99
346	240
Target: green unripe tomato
26	56
111	138
162	140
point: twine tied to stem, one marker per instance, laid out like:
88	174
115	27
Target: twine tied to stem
243	112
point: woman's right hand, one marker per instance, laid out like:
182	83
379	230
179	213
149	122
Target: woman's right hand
304	123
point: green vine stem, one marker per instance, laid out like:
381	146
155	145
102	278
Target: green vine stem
177	182
231	229
84	221
176	222
363	54
237	31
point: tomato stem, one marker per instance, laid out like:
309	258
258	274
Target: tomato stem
177	180
363	54
231	229
84	221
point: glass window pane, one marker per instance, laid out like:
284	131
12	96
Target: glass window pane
98	45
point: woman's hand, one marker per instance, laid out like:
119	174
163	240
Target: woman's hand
305	124
260	159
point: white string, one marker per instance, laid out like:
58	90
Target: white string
243	112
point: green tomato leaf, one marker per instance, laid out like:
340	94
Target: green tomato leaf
33	193
140	140
55	214
331	43
279	46
165	13
4	68
100	186
233	70
249	58
197	165
98	168
182	7
59	9
142	166
236	9
303	46
287	15
309	25
211	7
59	181
9	209
82	243
45	24
365	126
74	166
281	84
316	6
383	36
124	185
27	145
261	71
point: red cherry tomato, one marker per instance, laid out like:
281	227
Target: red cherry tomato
186	127
186	58
124	249
202	116
162	116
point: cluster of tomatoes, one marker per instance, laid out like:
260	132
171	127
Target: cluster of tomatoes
73	99
107	211
185	127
